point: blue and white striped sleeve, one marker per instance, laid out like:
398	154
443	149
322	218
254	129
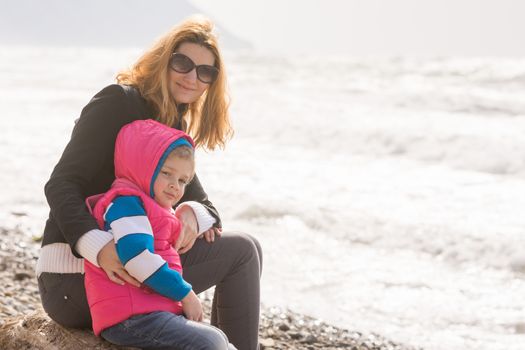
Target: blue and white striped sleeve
132	232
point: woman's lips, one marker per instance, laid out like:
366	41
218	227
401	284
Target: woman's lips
185	87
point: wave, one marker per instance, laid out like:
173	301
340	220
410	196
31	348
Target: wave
447	242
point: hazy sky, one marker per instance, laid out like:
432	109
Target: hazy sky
417	27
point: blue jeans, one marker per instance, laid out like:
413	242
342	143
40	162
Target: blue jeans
164	330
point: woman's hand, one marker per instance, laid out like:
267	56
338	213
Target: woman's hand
189	231
192	308
211	233
109	262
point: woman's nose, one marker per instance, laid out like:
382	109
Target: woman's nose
191	75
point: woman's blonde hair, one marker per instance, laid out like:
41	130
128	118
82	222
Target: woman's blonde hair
205	120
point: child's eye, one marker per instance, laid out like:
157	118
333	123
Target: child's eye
165	173
182	182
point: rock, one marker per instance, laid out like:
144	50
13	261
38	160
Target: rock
38	332
310	339
21	276
265	343
284	327
296	335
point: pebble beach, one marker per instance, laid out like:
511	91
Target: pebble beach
279	328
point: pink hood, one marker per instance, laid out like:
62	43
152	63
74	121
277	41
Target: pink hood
141	148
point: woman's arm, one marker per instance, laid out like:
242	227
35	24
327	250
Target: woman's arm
194	192
81	171
197	215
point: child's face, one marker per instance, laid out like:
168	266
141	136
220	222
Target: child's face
171	181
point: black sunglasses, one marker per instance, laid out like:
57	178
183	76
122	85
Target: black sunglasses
183	64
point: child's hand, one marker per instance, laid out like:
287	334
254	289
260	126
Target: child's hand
191	305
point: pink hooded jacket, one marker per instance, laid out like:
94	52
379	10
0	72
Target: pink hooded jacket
139	148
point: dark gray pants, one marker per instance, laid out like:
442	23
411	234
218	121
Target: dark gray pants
233	264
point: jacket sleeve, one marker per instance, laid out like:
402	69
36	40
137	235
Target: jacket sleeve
127	220
195	192
92	142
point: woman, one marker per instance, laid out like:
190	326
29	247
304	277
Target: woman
180	82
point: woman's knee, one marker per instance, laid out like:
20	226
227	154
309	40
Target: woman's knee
259	250
248	247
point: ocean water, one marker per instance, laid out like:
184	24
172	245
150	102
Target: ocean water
387	192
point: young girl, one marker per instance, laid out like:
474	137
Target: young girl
153	165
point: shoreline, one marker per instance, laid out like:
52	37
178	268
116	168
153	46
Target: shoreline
279	328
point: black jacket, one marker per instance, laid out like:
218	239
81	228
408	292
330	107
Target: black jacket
86	166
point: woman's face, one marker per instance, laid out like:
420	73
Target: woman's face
185	87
